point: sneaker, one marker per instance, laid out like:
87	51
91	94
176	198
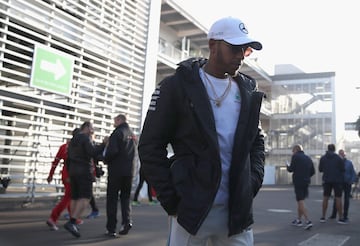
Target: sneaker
110	234
52	225
296	222
67	216
125	230
342	221
79	222
135	203
332	217
93	215
153	202
72	229
308	225
322	220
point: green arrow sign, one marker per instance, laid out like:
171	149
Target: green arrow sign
52	70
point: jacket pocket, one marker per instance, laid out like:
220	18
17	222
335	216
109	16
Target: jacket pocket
180	173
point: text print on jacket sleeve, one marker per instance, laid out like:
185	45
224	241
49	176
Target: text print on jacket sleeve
154	97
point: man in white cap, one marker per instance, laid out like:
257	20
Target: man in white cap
209	112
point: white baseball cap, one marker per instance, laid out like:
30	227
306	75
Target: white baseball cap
233	31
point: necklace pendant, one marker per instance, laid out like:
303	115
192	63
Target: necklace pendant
217	103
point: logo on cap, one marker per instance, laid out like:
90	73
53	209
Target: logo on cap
243	28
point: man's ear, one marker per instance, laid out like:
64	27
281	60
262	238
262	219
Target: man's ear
212	45
212	42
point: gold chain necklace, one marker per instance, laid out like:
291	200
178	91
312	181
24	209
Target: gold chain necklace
217	100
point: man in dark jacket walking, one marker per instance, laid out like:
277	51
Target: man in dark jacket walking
332	167
209	113
303	169
81	151
349	179
119	156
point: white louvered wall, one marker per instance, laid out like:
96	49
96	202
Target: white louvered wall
107	40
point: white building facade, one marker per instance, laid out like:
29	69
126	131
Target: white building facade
63	62
303	112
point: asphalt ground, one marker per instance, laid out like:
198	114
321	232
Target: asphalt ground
274	209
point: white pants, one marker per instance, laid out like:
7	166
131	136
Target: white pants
214	230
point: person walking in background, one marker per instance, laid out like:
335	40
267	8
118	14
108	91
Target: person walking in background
65	200
209	113
139	186
355	188
332	167
303	169
81	150
94	209
97	173
119	156
349	179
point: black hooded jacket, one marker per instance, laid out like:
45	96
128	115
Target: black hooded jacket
119	155
186	184
302	168
81	151
332	167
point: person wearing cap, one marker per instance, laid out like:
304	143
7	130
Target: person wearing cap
209	113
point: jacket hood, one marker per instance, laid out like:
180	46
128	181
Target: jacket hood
124	124
330	154
188	67
191	65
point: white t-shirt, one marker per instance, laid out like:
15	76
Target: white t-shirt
226	118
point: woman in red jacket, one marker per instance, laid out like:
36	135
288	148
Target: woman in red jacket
65	201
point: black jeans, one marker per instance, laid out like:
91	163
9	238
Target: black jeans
346	204
118	185
93	205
